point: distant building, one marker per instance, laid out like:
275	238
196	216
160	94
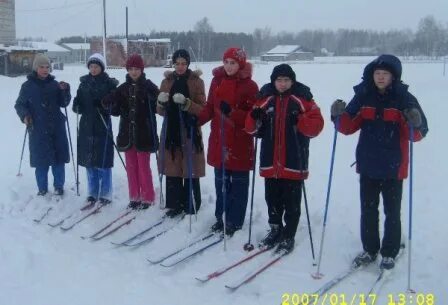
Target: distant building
55	52
79	52
363	51
287	53
15	60
7	22
153	51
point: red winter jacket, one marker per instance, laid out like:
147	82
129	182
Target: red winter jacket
285	145
239	91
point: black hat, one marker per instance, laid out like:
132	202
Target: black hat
283	70
183	54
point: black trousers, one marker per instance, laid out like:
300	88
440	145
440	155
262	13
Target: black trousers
391	191
177	193
283	197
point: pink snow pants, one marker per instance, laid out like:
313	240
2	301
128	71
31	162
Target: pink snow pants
139	173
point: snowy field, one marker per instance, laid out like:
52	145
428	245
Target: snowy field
40	265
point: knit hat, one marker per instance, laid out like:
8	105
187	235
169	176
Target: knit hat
283	70
40	60
237	54
98	59
182	54
135	61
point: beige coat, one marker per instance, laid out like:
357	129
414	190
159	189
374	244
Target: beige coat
178	167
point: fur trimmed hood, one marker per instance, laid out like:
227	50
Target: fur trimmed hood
169	74
244	73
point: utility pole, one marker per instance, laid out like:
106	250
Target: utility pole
126	23
104	33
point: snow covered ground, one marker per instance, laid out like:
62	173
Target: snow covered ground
42	265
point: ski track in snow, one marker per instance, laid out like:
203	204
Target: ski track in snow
42	265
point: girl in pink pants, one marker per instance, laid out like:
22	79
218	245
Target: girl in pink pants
134	102
139	175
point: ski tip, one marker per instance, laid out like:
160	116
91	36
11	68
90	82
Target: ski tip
231	288
317	275
202	280
153	262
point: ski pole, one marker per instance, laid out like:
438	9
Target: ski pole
305	199
162	160
154	139
223	168
70	141
309	223
108	125
191	206
77	163
110	135
319	275
411	172
249	246
21	155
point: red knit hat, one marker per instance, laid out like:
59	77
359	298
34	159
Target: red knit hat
237	54
135	61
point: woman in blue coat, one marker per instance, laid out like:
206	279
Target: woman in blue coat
95	140
38	107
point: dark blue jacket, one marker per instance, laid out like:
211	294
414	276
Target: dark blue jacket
95	147
42	100
382	151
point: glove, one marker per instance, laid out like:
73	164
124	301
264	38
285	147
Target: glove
179	98
413	117
338	108
293	118
27	120
162	99
258	114
64	86
225	108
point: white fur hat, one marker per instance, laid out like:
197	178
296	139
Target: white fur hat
98	59
40	60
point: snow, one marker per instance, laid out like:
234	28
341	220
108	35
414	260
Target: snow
42	265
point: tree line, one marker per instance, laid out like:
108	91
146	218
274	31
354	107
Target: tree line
429	40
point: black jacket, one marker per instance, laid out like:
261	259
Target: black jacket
95	148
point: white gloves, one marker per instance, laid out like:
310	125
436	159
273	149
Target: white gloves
179	98
162	99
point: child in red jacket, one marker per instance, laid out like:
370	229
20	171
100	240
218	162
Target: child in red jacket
285	117
231	97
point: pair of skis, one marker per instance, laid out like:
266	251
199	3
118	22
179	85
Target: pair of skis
46	211
375	287
273	258
187	252
122	220
142	237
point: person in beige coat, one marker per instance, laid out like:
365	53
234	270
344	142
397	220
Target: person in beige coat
182	94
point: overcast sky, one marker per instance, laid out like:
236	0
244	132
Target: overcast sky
53	19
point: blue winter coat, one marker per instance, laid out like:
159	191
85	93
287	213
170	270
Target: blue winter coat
42	100
382	151
95	147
